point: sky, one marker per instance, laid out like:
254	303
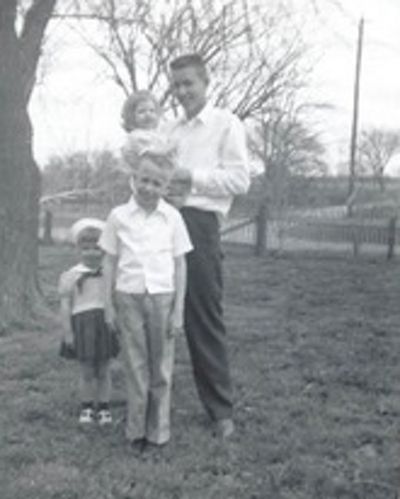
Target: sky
333	81
75	106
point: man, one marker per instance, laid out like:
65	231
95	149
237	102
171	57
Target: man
212	162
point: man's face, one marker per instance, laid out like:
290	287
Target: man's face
189	87
150	183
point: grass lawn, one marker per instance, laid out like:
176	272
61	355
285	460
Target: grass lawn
315	355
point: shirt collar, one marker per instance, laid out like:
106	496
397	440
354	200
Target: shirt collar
203	116
134	207
82	268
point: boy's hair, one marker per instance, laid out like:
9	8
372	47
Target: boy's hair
130	105
162	159
193	60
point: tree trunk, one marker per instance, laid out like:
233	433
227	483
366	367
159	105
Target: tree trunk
19	184
47	238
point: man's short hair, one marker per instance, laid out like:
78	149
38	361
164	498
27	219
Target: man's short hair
193	60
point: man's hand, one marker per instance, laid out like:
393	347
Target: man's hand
175	326
110	317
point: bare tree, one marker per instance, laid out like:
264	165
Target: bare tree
246	45
254	50
141	38
377	147
21	39
286	146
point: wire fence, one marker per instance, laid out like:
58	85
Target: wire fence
322	234
326	230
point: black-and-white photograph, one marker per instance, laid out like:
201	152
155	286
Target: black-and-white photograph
199	249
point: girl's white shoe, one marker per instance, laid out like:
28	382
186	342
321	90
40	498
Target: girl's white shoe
86	416
104	417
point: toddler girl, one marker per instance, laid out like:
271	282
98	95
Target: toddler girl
81	290
140	116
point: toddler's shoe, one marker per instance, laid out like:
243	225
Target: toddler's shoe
86	416
104	417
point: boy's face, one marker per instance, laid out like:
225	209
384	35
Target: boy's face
91	253
150	184
189	87
146	115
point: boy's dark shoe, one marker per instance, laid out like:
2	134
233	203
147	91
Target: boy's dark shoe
154	451
138	445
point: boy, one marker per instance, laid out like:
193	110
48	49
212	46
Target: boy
145	241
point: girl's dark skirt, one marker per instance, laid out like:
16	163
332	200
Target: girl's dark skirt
94	342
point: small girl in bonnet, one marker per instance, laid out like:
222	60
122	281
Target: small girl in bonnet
85	334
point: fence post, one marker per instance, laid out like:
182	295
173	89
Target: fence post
261	229
48	227
356	242
391	237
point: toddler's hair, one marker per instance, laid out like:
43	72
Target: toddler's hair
162	159
130	105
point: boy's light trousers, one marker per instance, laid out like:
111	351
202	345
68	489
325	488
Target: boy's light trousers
148	356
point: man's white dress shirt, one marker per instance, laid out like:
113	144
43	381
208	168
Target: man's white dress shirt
212	146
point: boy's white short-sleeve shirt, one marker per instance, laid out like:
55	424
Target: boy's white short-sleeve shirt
145	245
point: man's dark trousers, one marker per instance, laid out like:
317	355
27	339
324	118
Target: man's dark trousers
204	326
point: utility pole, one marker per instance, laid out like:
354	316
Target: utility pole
354	127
